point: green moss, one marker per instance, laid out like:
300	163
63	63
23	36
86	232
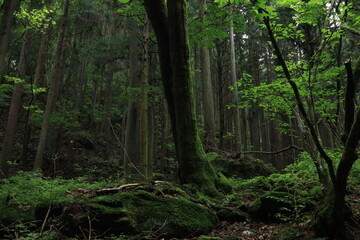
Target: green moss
272	205
144	212
287	233
209	238
231	215
212	156
224	184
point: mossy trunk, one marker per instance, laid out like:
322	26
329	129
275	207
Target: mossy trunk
171	33
193	165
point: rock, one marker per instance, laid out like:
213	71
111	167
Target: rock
245	167
269	204
287	233
231	215
138	213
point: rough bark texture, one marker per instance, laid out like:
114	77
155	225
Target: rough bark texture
54	88
15	105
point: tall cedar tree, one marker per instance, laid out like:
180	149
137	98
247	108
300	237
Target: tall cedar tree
171	34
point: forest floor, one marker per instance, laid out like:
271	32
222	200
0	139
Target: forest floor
297	180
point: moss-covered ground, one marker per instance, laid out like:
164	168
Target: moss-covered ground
270	205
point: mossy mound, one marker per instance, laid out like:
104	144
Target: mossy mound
209	238
270	205
231	215
139	213
287	233
245	167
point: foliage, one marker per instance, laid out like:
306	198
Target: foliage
5	93
20	194
38	19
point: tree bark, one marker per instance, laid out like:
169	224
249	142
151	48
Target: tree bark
132	163
52	96
15	105
208	98
144	128
194	167
236	111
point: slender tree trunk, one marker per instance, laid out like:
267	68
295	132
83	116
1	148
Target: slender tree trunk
52	96
236	112
221	96
6	24
132	162
144	129
15	105
208	98
39	62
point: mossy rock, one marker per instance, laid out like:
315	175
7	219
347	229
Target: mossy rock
208	238
139	213
233	238
287	233
246	167
269	204
231	215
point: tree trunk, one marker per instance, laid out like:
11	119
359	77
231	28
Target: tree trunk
236	112
221	95
208	99
171	34
15	105
132	158
52	96
144	129
6	24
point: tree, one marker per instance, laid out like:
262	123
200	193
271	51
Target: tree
208	101
55	84
132	158
6	23
171	34
15	105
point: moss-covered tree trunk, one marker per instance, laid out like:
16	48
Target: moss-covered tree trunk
171	34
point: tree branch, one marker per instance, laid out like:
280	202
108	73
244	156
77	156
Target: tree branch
349	100
300	105
349	29
276	152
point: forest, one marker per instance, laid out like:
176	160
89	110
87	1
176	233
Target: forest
175	119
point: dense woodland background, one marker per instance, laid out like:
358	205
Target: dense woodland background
274	86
